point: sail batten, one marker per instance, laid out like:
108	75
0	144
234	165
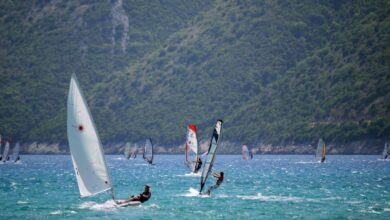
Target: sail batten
85	146
211	154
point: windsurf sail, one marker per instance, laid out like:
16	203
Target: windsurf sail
192	148
5	152
148	151
208	165
1	147
246	153
130	152
320	152
385	153
85	146
15	155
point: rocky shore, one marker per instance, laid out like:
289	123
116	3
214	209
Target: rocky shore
355	147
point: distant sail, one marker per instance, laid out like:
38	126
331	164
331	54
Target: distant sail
320	152
130	152
1	148
246	153
5	152
211	154
192	147
148	151
127	150
15	155
385	153
85	146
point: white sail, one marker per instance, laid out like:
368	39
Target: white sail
385	153
191	147
130	152
85	146
5	152
211	154
246	154
320	152
148	151
127	150
15	155
1	147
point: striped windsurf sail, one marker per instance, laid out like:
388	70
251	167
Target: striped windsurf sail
148	151
208	165
192	147
320	152
85	147
246	153
385	153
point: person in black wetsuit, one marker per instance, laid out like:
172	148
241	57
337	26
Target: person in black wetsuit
143	197
198	165
219	178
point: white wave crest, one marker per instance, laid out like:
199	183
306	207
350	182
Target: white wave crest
108	205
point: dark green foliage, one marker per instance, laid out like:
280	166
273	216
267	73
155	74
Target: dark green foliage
275	71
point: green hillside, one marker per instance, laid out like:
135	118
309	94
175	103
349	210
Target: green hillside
275	71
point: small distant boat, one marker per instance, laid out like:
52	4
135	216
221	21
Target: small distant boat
320	152
246	153
5	156
15	153
192	149
385	153
130	152
211	153
148	151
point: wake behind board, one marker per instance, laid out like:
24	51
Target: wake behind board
122	203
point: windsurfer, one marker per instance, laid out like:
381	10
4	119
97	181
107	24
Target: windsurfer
219	178
143	197
198	165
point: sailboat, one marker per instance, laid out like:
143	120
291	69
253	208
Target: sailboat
130	152
5	156
211	153
148	151
385	153
246	154
320	152
192	149
85	146
15	153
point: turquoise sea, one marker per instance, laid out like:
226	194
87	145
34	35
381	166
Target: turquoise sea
267	187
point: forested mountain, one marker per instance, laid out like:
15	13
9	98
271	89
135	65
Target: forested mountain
275	71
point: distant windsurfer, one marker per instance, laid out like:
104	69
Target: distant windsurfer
143	197
148	160
219	178
198	165
322	159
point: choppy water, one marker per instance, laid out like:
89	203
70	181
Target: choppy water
267	187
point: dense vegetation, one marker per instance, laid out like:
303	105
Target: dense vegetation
275	71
